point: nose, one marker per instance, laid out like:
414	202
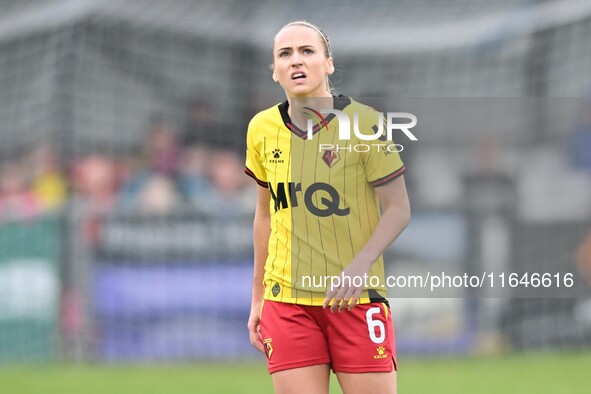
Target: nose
296	59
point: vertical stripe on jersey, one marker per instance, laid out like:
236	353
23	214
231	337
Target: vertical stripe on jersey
265	160
364	195
318	220
287	230
334	227
345	202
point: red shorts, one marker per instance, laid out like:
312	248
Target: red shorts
361	340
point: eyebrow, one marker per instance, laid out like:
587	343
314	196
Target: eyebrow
300	47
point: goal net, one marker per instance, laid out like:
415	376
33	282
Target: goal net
125	216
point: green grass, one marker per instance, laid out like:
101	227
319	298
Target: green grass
538	373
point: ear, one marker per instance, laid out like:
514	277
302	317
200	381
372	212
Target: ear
274	77
330	66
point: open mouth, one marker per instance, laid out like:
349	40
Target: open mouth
298	75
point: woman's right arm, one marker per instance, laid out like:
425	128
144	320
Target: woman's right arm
261	232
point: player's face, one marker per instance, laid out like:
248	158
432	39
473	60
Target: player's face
300	64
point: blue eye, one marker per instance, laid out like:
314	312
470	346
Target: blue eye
283	54
308	51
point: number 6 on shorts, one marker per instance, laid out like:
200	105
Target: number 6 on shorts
373	324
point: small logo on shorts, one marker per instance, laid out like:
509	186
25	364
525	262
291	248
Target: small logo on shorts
381	353
268	347
275	289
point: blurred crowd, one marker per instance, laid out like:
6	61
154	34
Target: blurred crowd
172	169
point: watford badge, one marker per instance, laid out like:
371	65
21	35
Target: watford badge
268	347
330	157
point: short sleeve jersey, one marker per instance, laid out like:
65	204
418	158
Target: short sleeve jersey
324	207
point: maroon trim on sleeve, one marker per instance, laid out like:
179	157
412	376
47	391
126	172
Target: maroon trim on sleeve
388	178
253	176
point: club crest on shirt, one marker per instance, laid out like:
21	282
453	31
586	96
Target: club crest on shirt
330	157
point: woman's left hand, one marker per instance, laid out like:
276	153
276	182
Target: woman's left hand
351	283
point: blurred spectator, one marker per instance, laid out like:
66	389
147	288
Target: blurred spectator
582	309
94	182
579	144
584	258
193	178
161	150
158	195
17	201
48	182
156	168
232	194
202	125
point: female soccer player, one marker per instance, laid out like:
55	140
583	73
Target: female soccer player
318	293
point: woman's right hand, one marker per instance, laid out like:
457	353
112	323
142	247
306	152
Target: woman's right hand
254	322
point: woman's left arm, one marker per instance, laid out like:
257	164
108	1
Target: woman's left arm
395	217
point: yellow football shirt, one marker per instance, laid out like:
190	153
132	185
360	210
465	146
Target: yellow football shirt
324	206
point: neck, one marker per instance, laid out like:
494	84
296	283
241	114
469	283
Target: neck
297	106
